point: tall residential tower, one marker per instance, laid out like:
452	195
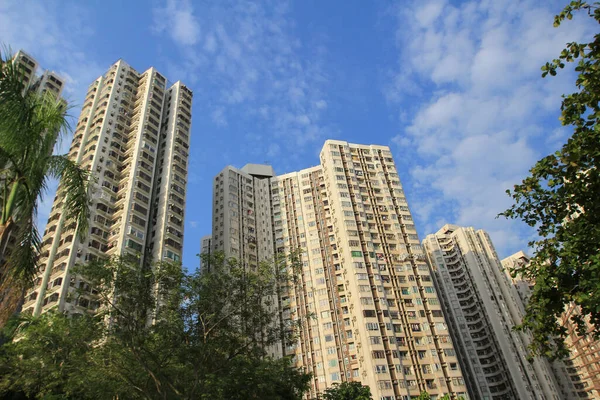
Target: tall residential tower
482	306
133	137
365	297
48	81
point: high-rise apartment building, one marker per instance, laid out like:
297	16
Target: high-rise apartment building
583	364
48	81
365	298
242	223
133	137
577	375
242	213
483	305
206	248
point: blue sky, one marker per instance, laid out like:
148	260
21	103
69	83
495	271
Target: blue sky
453	87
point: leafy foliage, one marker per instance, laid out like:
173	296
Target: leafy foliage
30	125
348	391
160	333
561	199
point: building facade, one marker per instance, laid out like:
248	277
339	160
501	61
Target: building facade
242	226
206	248
365	298
133	137
583	364
483	305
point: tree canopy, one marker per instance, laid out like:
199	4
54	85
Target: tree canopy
160	333
348	391
561	199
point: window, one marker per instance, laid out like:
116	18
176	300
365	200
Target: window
372	326
449	352
134	245
369	313
378	354
171	255
357	254
381	369
366	300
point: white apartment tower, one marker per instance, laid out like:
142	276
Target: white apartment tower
482	306
48	81
133	137
242	224
365	296
242	213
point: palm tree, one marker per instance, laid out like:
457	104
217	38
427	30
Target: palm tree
30	125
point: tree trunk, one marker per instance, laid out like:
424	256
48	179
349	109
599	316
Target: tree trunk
5	231
11	292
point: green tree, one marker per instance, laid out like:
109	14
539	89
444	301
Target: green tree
348	391
561	199
30	125
160	333
424	396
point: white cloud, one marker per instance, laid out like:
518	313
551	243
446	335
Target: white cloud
177	18
251	71
273	150
218	116
482	110
321	104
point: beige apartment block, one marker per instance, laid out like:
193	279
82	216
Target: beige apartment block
583	365
578	375
133	137
483	305
365	297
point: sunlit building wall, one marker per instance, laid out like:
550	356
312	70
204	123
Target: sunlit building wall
133	137
483	306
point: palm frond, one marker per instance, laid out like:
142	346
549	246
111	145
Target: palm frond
24	255
15	109
50	117
74	182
